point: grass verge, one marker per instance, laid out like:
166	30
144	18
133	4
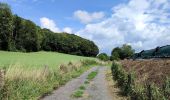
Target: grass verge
26	84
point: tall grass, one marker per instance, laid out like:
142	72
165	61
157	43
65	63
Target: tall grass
21	83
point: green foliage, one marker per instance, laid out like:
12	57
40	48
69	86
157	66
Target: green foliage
138	92
68	43
29	38
39	59
154	93
128	89
86	82
114	56
158	52
117	50
82	87
127	51
78	94
18	34
103	56
121	53
31	88
92	75
6	27
166	88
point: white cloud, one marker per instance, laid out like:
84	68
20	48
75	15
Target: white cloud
68	30
144	24
86	17
50	24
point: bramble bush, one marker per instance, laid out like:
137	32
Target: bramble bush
149	91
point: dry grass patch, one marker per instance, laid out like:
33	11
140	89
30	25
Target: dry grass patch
148	71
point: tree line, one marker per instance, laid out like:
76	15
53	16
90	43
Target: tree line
19	34
118	53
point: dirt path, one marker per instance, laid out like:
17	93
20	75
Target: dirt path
65	92
97	89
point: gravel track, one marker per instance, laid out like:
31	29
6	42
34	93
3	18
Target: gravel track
64	93
96	90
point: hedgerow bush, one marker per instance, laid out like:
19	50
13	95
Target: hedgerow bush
103	57
166	88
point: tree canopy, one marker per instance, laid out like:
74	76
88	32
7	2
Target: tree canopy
122	52
6	27
19	34
103	56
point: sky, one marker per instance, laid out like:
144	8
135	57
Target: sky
143	24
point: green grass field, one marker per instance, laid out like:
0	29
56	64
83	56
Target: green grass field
37	59
27	78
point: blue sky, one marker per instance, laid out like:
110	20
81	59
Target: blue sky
61	11
144	24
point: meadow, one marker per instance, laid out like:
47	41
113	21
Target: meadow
37	59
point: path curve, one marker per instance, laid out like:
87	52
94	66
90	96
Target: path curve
96	90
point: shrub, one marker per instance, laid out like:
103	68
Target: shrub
114	56
128	89
154	93
166	88
123	52
103	56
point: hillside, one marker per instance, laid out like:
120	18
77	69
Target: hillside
37	59
158	52
31	75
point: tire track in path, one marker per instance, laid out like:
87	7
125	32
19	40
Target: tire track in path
65	92
97	89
